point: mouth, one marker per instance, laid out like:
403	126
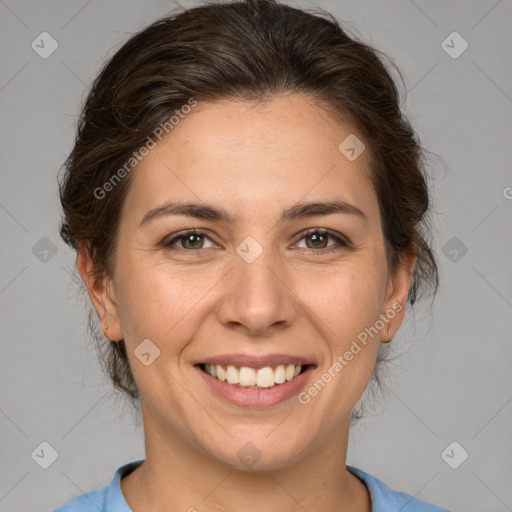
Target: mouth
255	381
246	377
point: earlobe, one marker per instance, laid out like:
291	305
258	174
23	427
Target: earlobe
101	294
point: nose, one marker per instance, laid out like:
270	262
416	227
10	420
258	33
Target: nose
258	297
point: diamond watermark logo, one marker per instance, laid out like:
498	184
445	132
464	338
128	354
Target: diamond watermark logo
249	454
44	455
44	250
454	45
146	352
249	249
454	250
454	455
351	147
44	45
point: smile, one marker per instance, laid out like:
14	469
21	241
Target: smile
255	382
253	378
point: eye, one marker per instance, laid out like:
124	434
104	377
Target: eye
318	239
191	239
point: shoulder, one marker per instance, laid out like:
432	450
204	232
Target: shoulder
89	502
385	499
109	498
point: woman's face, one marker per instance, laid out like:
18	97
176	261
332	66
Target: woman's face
253	290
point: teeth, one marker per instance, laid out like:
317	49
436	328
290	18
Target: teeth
221	374
247	376
280	374
290	372
232	375
265	377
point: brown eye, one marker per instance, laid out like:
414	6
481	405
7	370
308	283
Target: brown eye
190	240
317	239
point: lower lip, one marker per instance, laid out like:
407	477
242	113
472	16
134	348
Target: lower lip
263	397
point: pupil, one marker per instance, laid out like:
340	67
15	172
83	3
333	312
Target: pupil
318	238
189	239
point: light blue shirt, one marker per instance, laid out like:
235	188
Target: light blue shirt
111	499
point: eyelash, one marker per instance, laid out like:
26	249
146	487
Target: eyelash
320	231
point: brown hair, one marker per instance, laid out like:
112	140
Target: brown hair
244	50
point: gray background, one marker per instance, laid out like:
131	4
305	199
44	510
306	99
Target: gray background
452	382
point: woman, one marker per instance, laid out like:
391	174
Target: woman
249	209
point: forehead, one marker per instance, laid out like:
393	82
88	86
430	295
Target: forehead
251	156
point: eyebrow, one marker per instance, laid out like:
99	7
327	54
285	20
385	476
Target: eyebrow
208	212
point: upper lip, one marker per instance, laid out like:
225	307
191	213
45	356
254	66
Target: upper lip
257	361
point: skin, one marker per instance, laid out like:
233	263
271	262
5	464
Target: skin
254	161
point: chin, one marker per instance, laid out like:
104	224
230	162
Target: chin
258	454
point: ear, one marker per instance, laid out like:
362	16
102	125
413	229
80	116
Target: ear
101	294
396	299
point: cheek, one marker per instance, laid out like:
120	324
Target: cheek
351	305
346	299
162	303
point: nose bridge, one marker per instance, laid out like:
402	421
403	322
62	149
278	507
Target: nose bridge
257	276
257	296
